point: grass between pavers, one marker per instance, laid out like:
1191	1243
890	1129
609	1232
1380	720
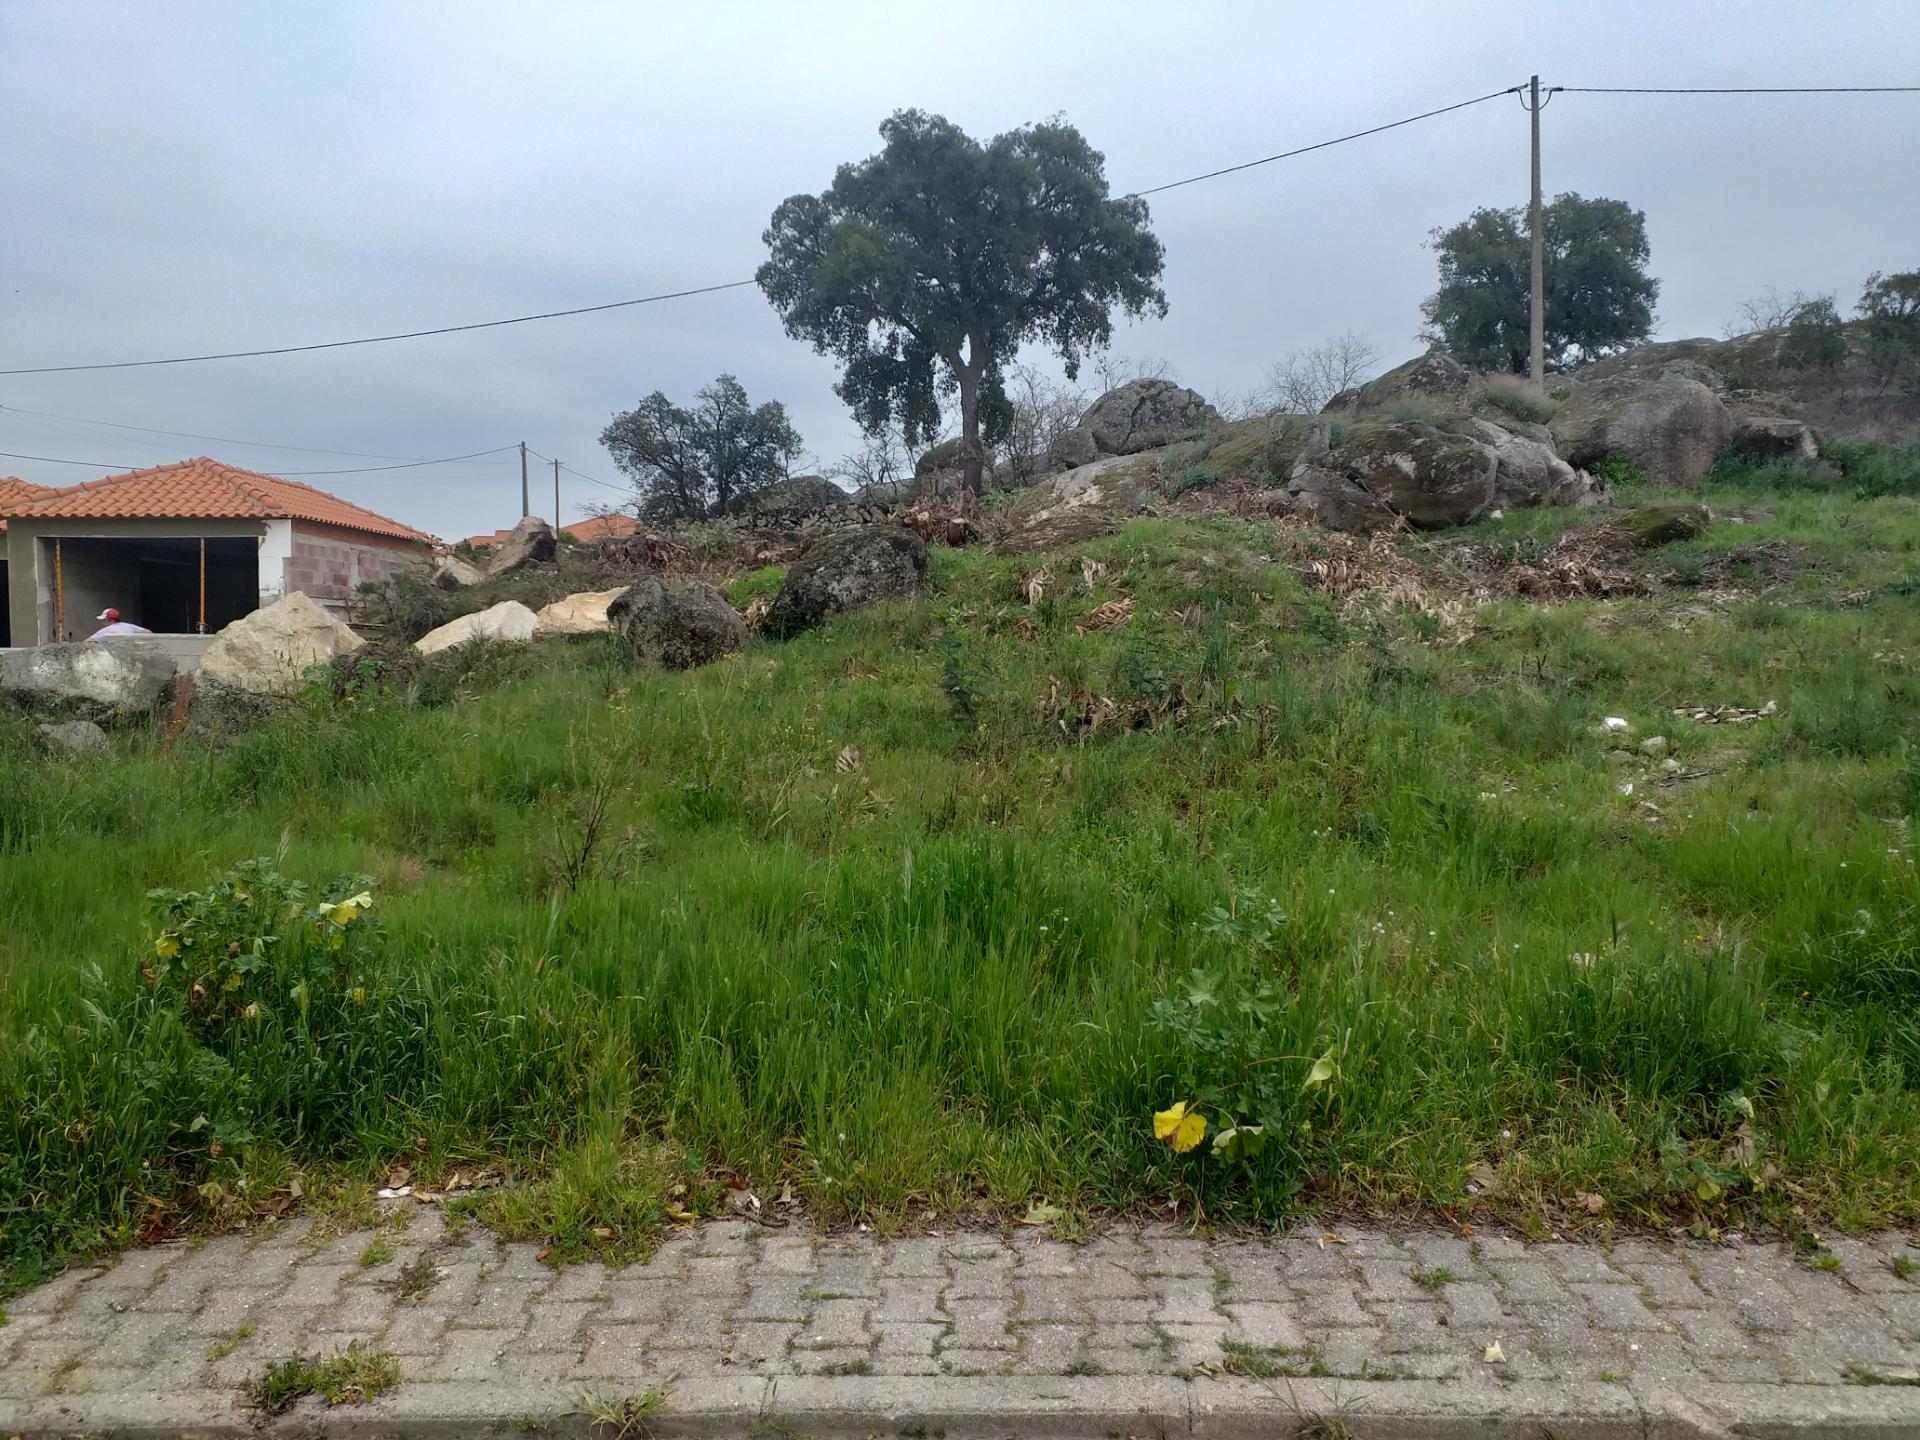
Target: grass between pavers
350	1376
647	932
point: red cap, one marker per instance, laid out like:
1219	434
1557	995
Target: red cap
109	615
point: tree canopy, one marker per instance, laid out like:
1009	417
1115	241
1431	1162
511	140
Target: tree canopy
687	463
924	268
1599	296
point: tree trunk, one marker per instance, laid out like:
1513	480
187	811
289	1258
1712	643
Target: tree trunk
972	455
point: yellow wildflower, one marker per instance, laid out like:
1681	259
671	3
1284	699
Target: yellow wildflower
1179	1127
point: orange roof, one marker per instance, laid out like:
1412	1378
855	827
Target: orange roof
15	492
498	537
603	527
207	489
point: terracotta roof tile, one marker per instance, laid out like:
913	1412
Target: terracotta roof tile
208	489
15	492
603	527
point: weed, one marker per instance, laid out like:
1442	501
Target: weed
1434	1279
1903	1266
1266	1362
1612	1377
378	1252
619	1417
1826	1260
1857	1374
862	1366
416	1277
349	1377
1081	1367
229	1342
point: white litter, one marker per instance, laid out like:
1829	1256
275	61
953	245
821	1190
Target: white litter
1615	725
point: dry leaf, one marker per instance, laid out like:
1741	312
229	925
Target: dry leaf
847	760
786	1196
293	1188
1493	1354
1106	616
679	1216
543	1254
1036	587
1091	571
742	1202
1023	627
603	1232
1330	1239
1590	1201
398	1176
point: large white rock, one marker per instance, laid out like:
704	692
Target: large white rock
270	651
103	680
582	614
509	620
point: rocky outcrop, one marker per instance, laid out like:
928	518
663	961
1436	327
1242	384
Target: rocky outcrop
1145	415
676	629
1434	376
269	651
846	571
1668	421
1361	474
582	614
509	621
1527	472
1648	526
450	572
801	495
1773	437
72	737
104	681
949	458
530	542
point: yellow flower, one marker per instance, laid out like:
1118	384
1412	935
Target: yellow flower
349	909
1179	1127
167	946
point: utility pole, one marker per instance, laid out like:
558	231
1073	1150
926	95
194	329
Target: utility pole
556	497
1537	301
526	509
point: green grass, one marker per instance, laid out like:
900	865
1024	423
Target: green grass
350	1377
934	981
1435	1279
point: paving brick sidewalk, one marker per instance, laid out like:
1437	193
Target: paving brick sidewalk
973	1333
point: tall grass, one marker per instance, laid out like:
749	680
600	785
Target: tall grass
925	980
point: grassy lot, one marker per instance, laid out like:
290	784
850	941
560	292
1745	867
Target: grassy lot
932	910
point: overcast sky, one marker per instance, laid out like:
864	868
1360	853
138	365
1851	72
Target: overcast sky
184	177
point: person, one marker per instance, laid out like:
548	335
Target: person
116	626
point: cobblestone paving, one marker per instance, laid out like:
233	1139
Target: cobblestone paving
187	1324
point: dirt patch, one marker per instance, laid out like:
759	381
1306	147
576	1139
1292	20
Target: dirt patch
1762	563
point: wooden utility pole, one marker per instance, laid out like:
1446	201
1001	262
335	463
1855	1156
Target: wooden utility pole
526	507
1537	300
556	497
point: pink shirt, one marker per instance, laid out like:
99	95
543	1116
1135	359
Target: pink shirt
118	627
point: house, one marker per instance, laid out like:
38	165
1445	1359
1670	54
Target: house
600	527
603	527
13	491
187	548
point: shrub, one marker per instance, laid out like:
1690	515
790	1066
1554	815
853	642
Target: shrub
251	940
1515	397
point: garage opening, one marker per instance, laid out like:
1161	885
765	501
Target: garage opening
6	616
171	586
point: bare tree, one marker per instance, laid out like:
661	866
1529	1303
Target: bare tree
882	461
1043	408
1113	371
1303	381
1771	309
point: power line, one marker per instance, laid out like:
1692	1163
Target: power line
1322	145
377	339
114	467
1151	190
193	435
675	294
1739	89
